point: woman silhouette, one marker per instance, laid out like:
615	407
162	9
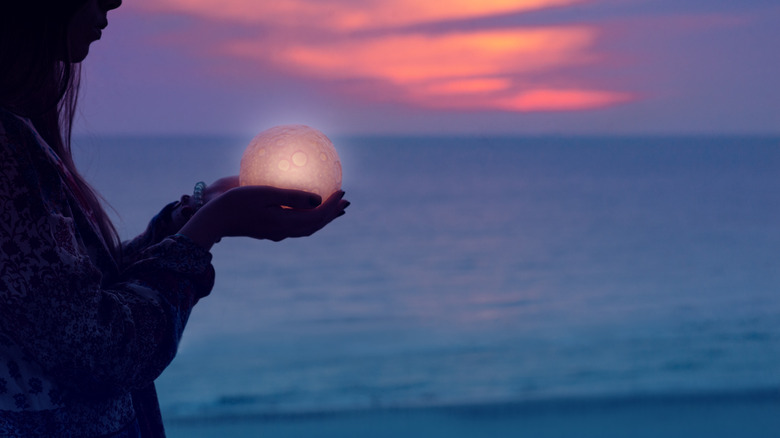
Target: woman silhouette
86	322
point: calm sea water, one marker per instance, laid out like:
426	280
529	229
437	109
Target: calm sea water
474	270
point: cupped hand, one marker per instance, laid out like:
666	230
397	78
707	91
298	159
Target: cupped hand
187	205
262	212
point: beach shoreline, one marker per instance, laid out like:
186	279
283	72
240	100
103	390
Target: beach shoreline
743	414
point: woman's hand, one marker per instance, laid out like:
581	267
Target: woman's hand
187	206
262	212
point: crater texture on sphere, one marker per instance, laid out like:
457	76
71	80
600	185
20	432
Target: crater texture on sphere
292	157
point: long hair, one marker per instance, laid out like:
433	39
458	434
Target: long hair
39	81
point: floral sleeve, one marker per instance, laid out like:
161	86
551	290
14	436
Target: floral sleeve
93	331
155	232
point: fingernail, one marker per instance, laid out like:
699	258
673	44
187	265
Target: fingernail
347	204
315	200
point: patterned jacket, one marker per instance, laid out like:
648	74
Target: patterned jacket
82	335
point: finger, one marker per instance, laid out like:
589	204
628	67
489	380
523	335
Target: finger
187	211
333	207
219	187
337	195
301	223
227	182
334	200
272	196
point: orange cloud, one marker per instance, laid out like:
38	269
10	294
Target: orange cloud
480	69
407	59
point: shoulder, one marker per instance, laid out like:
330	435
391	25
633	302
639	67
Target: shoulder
20	161
15	134
10	123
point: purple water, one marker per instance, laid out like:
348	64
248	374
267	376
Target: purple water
476	270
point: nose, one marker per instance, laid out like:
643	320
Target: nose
108	5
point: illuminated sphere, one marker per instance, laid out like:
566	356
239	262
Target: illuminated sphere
292	157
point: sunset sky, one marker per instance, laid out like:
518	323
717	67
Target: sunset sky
423	66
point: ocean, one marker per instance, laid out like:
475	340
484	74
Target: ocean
479	271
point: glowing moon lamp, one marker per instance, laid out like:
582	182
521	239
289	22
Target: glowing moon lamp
292	157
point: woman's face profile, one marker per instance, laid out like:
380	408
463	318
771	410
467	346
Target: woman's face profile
87	26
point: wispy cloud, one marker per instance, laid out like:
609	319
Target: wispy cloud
368	48
347	15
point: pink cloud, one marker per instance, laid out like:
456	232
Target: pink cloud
346	15
410	59
466	70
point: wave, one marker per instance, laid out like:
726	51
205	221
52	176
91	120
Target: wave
272	408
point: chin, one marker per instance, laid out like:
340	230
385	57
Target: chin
79	55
